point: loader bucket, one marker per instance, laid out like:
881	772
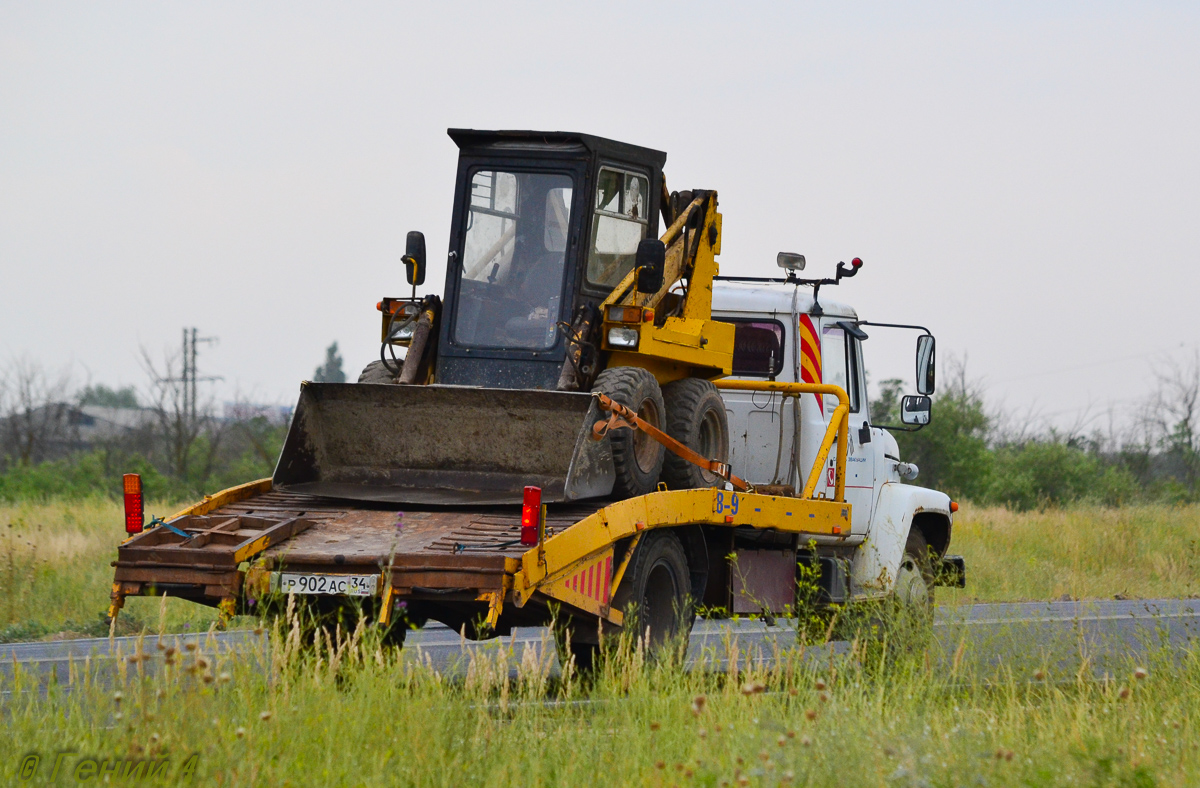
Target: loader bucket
443	445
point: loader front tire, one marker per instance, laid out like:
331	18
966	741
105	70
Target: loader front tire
696	418
637	457
376	372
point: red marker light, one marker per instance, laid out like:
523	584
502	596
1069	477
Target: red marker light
954	506
531	515
856	262
134	518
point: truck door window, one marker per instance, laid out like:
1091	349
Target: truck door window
514	260
757	348
619	224
857	380
835	363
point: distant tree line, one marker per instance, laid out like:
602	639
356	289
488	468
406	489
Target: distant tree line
987	456
59	439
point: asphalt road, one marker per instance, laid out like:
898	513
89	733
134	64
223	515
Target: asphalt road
1057	636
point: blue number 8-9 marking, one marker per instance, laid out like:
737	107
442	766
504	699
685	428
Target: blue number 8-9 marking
733	503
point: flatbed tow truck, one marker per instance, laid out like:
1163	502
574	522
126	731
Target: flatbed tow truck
558	438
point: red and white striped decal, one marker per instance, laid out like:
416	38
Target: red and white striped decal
810	356
593	580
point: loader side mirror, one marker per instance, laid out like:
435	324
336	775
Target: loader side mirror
651	262
414	258
916	411
926	377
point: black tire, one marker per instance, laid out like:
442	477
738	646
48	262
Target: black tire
914	580
376	372
655	594
637	456
696	418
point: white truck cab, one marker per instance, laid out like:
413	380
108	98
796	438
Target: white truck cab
785	334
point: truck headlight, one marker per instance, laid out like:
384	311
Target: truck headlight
623	337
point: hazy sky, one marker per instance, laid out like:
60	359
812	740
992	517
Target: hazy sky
1022	178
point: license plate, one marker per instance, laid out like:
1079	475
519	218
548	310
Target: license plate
346	585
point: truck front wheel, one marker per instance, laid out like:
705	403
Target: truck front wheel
914	580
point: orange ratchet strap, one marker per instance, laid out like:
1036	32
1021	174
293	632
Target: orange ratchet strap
624	417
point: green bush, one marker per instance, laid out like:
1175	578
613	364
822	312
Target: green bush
952	451
1052	472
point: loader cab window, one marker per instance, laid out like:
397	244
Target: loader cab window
619	224
513	260
757	348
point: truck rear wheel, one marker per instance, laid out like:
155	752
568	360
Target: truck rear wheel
637	457
655	594
696	418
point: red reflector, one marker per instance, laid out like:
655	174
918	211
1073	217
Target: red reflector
647	315
531	515
134	518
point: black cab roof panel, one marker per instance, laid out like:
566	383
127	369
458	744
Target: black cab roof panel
556	142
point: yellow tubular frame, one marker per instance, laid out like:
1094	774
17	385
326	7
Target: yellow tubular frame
543	566
839	424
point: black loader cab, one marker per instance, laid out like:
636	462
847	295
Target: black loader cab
544	223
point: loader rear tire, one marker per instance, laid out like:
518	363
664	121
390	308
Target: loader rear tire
376	372
637	457
655	595
696	418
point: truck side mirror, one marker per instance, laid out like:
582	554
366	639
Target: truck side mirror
414	258
915	411
651	262
926	376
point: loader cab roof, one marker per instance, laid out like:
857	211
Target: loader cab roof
542	224
733	296
568	144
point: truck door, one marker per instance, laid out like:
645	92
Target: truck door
762	425
841	361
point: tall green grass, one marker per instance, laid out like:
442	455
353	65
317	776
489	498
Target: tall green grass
357	714
1082	552
55	572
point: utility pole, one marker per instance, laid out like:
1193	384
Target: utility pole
190	376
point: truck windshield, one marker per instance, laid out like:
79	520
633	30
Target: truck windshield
513	261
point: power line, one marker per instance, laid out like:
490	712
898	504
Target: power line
190	377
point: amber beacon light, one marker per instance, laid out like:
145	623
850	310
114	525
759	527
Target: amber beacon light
134	517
